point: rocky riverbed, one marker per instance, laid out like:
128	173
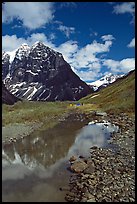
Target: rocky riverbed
108	175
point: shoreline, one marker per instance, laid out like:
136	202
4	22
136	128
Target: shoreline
108	176
19	130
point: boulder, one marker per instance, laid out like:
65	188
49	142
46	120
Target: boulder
101	113
78	166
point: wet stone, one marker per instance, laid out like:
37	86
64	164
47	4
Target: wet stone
73	158
90	169
78	166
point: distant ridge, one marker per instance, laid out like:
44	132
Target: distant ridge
119	95
104	81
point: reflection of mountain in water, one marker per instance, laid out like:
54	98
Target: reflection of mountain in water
38	162
44	148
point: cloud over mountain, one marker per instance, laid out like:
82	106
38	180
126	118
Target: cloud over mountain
31	14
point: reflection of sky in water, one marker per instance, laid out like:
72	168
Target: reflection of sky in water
91	135
88	136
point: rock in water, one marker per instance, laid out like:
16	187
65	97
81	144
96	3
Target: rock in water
78	166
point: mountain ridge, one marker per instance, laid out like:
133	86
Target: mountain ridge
40	73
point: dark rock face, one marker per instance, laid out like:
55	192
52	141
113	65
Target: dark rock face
7	97
5	64
40	73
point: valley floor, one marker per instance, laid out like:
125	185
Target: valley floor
108	175
23	118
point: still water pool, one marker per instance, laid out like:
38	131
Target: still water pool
35	167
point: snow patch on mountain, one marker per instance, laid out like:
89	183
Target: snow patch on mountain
104	81
95	96
31	72
12	55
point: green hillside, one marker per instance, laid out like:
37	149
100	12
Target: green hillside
118	97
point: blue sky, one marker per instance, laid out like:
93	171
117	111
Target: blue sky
95	38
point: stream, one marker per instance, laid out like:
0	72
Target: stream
35	168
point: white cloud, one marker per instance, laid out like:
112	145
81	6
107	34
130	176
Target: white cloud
88	75
95	65
9	43
112	64
68	49
66	30
37	37
132	43
123	66
32	14
95	48
127	64
107	37
126	7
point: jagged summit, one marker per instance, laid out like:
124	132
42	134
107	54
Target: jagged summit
40	73
104	81
38	43
22	51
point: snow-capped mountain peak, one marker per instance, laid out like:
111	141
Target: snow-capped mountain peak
36	44
104	81
41	47
41	73
22	51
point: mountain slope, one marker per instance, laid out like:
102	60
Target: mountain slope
119	96
41	74
7	97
